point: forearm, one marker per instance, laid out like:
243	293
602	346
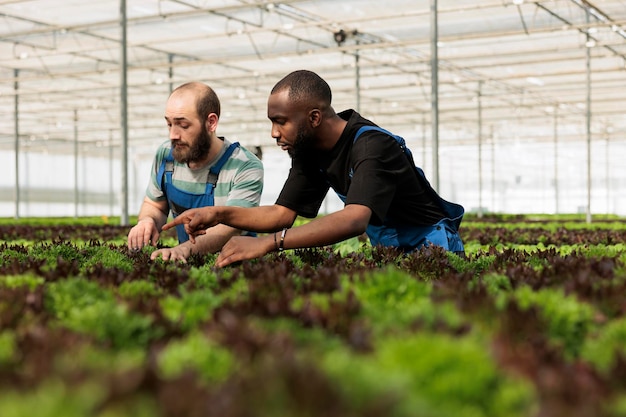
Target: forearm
213	240
256	219
156	211
327	230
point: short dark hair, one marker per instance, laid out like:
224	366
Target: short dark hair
305	86
207	101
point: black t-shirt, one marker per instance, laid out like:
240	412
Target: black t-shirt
373	171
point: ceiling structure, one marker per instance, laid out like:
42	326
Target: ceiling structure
507	69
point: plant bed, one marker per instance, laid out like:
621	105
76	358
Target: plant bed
522	327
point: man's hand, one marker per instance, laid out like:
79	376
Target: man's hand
240	248
196	221
142	234
177	253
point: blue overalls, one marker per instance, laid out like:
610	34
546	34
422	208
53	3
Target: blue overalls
444	233
181	200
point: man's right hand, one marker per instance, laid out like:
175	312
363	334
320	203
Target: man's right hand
142	234
196	221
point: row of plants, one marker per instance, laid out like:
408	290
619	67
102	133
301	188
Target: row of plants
521	327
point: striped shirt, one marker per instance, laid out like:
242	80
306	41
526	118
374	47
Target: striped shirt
240	181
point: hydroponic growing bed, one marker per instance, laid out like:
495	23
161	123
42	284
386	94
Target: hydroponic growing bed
532	323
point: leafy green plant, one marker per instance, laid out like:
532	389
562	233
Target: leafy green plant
100	360
28	280
85	307
52	399
204	276
196	353
603	346
392	300
12	253
430	374
190	308
138	288
8	347
50	253
107	256
568	320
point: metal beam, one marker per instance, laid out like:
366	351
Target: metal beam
124	113
434	92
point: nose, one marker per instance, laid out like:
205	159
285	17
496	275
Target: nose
174	133
275	134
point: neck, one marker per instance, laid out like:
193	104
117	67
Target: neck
330	131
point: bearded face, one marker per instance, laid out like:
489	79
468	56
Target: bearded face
303	145
196	150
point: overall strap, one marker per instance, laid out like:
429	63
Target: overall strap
454	211
367	128
215	169
398	139
166	167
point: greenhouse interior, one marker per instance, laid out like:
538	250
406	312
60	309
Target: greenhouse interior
509	106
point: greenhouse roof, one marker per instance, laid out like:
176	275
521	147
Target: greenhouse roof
505	67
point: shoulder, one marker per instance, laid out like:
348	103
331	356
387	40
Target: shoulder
358	127
378	145
242	168
374	138
242	158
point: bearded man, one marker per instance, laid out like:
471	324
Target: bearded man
195	168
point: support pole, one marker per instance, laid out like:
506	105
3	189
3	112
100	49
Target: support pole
16	114
492	135
170	71
588	124
357	68
75	163
423	142
124	114
607	171
480	149
556	159
111	195
434	95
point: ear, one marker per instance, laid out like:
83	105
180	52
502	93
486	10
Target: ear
211	122
315	117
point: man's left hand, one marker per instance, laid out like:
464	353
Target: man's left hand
240	248
177	253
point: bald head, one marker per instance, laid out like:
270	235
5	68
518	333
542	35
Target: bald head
207	101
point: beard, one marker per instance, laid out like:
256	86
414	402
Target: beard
303	145
196	151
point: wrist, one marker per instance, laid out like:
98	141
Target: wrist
187	249
273	242
281	240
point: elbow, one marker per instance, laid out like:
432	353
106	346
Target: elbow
357	220
358	227
286	217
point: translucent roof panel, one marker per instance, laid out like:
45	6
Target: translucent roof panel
523	61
